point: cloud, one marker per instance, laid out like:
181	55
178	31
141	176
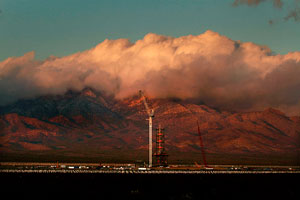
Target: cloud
294	14
248	2
208	68
293	7
276	3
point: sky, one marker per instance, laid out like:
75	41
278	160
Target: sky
236	55
64	27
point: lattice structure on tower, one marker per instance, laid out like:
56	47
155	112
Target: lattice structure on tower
160	154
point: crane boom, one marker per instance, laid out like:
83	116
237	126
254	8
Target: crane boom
150	113
202	146
200	137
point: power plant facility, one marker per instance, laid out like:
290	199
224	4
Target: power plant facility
160	154
160	164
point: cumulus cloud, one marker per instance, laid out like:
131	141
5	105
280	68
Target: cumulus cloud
208	68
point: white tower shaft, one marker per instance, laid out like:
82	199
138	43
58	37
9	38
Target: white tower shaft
150	113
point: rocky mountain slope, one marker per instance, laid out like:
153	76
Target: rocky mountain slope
89	122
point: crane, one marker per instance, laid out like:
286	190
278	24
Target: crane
150	113
200	138
202	146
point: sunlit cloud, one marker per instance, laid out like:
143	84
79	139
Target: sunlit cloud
207	68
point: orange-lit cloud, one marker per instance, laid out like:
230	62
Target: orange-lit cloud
208	68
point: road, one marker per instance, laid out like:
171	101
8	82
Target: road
145	171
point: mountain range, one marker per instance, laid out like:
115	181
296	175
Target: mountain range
91	125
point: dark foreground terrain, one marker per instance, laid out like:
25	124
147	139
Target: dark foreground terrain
149	186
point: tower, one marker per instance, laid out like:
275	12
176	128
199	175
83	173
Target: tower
150	113
160	154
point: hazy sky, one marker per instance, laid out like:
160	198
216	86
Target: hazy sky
63	27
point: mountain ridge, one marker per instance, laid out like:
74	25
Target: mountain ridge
90	121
